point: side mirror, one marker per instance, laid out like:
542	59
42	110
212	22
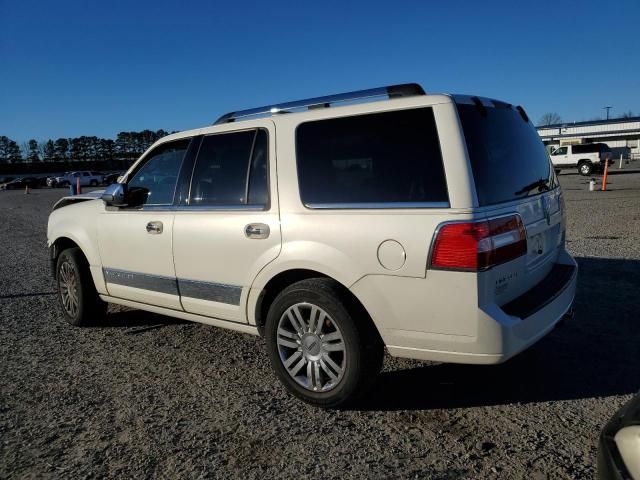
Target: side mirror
114	195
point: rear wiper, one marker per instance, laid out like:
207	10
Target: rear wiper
542	184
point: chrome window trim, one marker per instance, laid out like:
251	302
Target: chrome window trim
206	208
376	205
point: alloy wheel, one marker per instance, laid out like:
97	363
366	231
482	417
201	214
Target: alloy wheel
311	347
68	280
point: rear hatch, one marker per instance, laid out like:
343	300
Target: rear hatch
513	176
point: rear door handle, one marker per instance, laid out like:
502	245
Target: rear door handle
155	228
257	230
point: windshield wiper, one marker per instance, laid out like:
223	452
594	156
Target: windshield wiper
541	184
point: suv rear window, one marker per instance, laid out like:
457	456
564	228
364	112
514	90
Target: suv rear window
507	156
371	161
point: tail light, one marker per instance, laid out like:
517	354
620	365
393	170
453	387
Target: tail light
475	246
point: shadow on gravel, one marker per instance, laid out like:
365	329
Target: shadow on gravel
594	355
138	320
612	171
23	295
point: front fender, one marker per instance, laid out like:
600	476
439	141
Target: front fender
77	223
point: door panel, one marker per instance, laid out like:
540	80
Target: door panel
229	228
216	262
138	264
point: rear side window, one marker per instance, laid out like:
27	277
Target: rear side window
231	169
507	156
374	160
586	148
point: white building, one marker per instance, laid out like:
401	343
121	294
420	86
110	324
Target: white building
622	135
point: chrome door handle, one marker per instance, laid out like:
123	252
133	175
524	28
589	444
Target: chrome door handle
257	230
154	228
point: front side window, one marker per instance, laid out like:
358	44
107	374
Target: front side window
560	151
390	158
155	182
231	169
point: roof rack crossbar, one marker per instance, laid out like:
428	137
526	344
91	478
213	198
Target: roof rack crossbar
390	91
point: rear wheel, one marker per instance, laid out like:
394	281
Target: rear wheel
585	168
93	183
320	352
77	294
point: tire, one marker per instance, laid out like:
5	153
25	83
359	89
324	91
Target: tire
324	372
77	294
585	168
93	183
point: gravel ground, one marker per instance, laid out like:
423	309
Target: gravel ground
146	396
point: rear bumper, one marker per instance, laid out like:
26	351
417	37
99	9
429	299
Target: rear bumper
499	333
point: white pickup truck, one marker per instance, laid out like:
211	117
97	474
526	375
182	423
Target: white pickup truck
587	157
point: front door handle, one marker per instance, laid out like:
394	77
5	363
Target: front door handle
257	230
155	228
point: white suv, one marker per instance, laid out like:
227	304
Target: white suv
586	157
430	224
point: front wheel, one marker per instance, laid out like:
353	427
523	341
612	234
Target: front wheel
77	294
320	352
585	168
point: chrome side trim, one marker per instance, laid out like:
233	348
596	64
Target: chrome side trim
373	205
213	292
143	281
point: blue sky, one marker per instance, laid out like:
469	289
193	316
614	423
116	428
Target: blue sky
73	68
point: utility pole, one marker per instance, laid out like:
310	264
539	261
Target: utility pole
607	108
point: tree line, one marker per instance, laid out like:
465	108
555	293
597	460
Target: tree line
127	146
552	118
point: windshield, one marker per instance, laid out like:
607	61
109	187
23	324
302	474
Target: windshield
507	156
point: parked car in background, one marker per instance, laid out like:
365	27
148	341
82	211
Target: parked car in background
5	179
56	180
111	178
41	181
433	225
587	157
20	182
87	179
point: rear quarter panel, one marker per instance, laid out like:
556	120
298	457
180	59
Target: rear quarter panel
344	243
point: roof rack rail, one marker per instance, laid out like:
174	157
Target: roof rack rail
390	91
